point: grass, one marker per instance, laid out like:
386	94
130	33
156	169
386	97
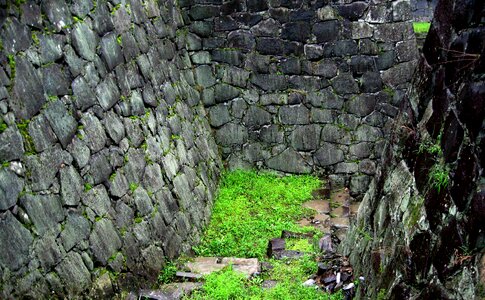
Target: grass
421	28
227	284
252	208
439	176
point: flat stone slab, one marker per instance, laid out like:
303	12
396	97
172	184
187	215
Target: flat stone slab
188	275
208	265
340	222
321	206
341	197
172	291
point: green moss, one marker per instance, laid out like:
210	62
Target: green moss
3	126
381	295
35	38
133	187
77	19
23	127
138	220
12	65
112	177
5	164
87	187
115	8
119	40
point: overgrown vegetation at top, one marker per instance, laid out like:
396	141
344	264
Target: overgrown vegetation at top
421	28
252	208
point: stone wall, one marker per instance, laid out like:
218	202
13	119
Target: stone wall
423	10
302	86
420	232
108	162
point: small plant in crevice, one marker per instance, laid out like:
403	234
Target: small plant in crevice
3	125
433	148
167	274
87	187
133	187
439	176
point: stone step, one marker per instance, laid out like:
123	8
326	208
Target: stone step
208	265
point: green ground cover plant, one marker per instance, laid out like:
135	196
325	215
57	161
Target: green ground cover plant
421	27
252	208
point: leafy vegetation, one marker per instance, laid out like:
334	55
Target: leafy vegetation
421	27
3	125
252	208
168	273
227	284
439	176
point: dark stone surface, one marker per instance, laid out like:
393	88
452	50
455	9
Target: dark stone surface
14	254
27	93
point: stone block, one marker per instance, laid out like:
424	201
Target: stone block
84	40
256	117
361	105
108	93
353	11
45	211
27	93
219	115
231	134
296	31
328	154
15	36
345	84
371	82
71	186
327	31
305	138
241	39
76	230
289	161
58	13
11	144
84	95
74	273
294	115
104	240
204	76
15	243
269	82
44	167
361	30
62	123
111	51
224	92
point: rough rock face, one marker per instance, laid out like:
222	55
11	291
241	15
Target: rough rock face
420	232
302	86
108	163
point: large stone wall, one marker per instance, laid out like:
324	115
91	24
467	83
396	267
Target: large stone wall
420	231
108	166
302	86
